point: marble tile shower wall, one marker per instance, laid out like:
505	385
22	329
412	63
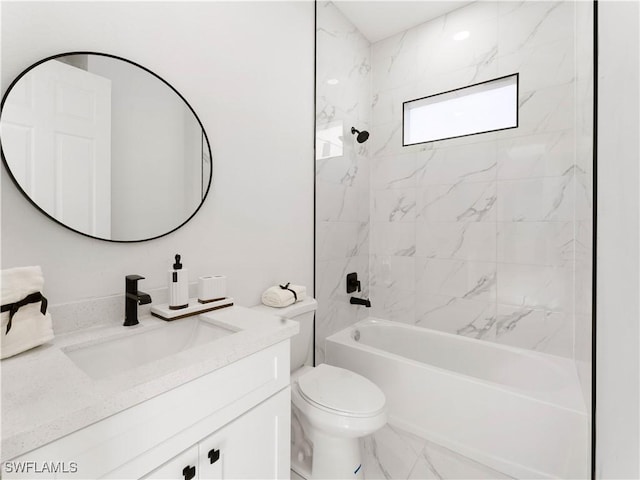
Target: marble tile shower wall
479	235
343	100
584	195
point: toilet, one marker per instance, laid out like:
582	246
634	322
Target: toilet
331	408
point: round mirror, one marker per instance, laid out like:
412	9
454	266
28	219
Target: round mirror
104	147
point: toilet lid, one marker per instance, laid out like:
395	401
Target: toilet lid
341	390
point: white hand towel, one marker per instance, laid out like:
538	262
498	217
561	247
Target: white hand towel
29	327
279	297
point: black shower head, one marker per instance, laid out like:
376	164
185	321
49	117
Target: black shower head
362	135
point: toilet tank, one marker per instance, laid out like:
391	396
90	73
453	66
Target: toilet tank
302	343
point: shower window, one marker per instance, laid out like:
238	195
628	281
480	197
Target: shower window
480	108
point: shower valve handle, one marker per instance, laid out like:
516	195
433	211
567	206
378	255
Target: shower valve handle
353	283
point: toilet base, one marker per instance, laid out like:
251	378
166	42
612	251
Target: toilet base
322	456
335	457
301	448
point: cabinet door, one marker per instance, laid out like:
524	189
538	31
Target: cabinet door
255	445
183	466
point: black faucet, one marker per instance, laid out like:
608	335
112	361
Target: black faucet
360	301
132	298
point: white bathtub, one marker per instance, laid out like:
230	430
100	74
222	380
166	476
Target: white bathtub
515	410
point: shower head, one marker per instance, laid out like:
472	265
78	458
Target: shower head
362	135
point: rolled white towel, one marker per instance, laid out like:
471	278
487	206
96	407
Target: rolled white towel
29	326
279	297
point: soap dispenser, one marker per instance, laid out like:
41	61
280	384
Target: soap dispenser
178	286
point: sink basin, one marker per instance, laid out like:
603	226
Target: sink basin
144	345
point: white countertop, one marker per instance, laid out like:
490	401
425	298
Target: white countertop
46	396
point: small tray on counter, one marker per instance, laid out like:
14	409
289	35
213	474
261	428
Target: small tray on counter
195	307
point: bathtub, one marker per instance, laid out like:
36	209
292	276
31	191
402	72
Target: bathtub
514	410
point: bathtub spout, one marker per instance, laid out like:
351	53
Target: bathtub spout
360	301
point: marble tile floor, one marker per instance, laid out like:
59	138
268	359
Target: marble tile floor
392	453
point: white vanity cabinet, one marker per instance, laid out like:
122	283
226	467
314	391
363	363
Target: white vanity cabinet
183	465
241	410
249	447
252	446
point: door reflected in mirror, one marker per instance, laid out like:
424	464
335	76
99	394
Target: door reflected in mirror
105	147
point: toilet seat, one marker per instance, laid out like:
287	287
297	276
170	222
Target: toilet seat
341	392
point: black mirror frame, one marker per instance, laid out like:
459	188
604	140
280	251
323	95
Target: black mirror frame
15	181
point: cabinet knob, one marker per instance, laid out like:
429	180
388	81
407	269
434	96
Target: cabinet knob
213	455
189	472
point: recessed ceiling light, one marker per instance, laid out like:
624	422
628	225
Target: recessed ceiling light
461	35
333	81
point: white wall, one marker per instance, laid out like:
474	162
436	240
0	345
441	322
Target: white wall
618	345
247	70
